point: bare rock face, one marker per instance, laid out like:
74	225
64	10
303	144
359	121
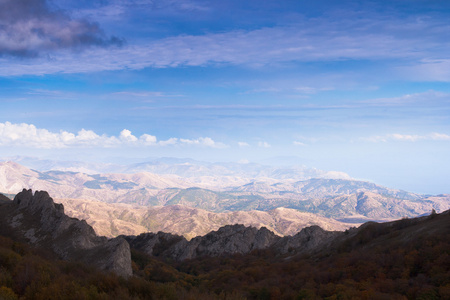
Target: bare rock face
158	244
232	239
307	239
40	221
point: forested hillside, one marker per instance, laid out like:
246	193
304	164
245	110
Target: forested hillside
405	259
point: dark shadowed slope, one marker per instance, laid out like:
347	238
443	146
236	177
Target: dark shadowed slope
37	220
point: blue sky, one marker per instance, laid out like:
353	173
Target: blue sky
354	86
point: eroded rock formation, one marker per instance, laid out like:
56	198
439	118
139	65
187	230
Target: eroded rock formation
37	220
230	239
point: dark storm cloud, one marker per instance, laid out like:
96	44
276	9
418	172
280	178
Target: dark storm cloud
29	27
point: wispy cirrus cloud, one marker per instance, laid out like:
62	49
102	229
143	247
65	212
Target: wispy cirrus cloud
426	98
29	136
114	9
300	91
409	137
370	37
312	90
437	69
297	143
142	96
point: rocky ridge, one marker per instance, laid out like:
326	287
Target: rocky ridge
230	239
313	240
37	220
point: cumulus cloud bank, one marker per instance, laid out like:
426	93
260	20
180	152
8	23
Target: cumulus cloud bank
28	135
29	27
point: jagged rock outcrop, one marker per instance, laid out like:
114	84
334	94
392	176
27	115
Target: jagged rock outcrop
41	222
230	239
307	239
157	244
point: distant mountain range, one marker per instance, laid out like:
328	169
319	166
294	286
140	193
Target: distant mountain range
329	197
123	203
183	167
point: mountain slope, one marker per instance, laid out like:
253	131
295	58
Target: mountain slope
405	259
37	220
313	240
408	258
112	219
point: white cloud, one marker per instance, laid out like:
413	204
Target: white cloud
264	145
405	137
439	136
27	135
171	141
125	135
296	143
243	144
148	139
203	141
408	137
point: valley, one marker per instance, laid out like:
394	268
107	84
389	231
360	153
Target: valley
112	219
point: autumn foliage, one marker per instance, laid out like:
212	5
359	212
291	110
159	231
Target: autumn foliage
406	260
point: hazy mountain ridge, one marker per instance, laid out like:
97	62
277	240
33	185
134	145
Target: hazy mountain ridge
183	167
336	198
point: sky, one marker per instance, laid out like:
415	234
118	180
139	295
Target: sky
361	87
